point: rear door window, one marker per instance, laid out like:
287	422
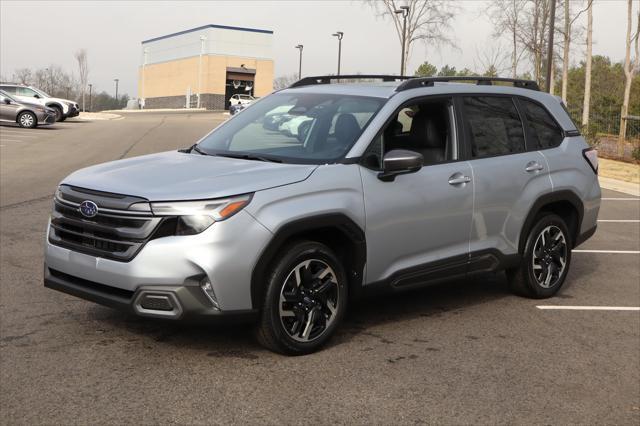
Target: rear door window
543	131
493	126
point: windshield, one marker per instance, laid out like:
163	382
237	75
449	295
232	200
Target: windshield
296	128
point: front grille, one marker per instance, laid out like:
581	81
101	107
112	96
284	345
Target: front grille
113	233
91	285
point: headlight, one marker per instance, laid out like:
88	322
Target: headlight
194	217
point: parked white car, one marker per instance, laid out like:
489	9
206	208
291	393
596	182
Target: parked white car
64	108
241	100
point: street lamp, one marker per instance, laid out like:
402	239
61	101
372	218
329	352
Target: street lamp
202	40
404	10
339	34
300	47
90	101
116	80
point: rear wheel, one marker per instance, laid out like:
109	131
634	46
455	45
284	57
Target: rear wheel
27	119
545	261
305	299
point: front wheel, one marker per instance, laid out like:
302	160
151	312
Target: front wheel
546	259
305	299
27	119
58	111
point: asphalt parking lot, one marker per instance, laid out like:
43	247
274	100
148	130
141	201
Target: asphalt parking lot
460	353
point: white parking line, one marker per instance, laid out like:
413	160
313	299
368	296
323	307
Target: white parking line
589	308
620	220
620	199
608	251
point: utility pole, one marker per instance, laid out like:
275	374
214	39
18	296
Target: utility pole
90	100
116	80
552	23
404	10
202	40
339	34
300	47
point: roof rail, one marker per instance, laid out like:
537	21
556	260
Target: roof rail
326	79
414	83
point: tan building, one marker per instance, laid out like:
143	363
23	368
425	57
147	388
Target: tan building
205	66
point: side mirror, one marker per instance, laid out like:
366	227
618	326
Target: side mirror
36	96
7	101
400	162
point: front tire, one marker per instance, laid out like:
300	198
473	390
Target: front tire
58	111
27	119
546	259
305	299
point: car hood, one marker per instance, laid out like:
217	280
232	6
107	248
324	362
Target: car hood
172	176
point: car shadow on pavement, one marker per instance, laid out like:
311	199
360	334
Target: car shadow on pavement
237	341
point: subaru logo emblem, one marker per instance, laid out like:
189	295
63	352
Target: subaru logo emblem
88	208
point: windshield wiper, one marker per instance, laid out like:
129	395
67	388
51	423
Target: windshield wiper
192	148
249	157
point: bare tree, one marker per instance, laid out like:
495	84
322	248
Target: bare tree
491	62
508	15
630	69
22	75
83	71
587	74
284	81
428	21
568	33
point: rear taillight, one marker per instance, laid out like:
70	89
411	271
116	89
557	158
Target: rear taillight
591	155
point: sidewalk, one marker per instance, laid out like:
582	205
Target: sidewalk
630	188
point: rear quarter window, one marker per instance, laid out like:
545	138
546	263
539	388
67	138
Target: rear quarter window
544	133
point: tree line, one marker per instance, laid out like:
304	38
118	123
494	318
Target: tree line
59	83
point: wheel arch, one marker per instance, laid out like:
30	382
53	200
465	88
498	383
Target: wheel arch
337	231
565	204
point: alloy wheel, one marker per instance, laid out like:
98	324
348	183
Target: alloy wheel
549	256
308	300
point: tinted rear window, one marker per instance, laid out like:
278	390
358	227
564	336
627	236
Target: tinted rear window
543	130
493	126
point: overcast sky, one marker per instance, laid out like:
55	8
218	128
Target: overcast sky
35	34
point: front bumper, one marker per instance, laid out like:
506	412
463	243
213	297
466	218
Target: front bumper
73	111
220	253
185	302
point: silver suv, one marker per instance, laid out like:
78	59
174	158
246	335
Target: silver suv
390	186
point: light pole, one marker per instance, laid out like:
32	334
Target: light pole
144	63
90	101
300	47
116	80
339	34
404	10
202	40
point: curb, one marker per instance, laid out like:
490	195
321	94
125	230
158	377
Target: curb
629	188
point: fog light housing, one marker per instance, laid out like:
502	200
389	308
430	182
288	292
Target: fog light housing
207	288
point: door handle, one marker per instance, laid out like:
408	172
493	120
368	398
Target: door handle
458	179
533	166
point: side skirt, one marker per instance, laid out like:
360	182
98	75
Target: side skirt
443	270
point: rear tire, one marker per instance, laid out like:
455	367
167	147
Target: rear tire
546	259
305	299
27	119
